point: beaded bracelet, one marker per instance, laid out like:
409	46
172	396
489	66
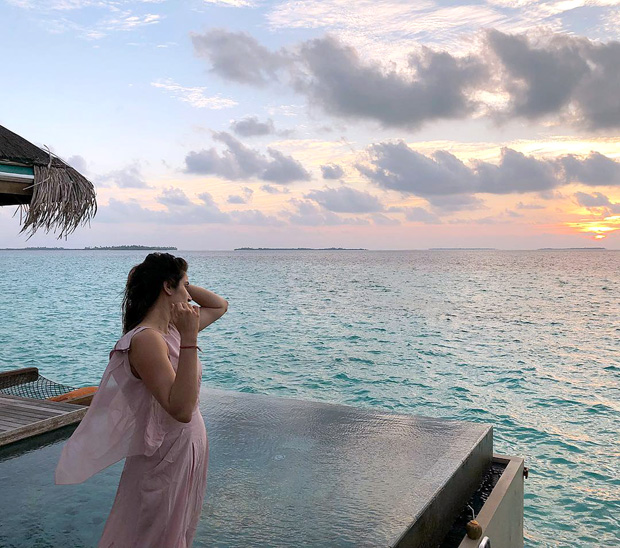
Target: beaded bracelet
192	346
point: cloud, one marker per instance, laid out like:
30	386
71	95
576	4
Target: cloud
503	217
540	80
597	201
121	21
332	171
559	74
232	3
592	200
128	177
284	169
420	215
346	200
127	21
333	76
188	212
70	5
384	220
78	162
195	96
270	189
395	166
343	84
595	170
117	211
449	184
239	162
516	172
389	31
239	57
521	205
255	217
180	210
290	111
237	199
306	213
251	126
456	202
207	212
173	197
551	195
528	76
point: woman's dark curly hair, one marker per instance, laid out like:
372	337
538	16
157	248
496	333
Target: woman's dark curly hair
145	282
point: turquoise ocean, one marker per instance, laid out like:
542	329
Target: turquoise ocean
528	341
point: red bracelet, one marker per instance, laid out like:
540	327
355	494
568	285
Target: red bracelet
192	346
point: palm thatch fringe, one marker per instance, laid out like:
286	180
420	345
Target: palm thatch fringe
62	199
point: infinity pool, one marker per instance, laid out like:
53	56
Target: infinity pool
282	472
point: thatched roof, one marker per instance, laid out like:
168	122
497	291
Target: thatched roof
62	198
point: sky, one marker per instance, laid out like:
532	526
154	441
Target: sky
380	124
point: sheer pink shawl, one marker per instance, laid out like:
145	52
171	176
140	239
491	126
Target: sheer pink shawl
124	418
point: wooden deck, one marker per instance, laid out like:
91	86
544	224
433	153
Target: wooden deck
24	417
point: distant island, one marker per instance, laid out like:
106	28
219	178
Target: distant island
299	249
572	249
131	248
96	248
39	249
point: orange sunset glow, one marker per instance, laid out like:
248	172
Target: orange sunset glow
598	230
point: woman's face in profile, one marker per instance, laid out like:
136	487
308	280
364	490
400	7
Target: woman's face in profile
180	294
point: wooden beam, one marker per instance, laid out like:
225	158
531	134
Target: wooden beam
19	376
11	187
14	193
81	400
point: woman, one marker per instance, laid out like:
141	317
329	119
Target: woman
146	409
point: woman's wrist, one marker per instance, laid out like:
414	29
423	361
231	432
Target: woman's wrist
191	347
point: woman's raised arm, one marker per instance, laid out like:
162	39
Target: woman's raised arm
212	306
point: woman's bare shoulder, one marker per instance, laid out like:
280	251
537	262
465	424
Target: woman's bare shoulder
149	338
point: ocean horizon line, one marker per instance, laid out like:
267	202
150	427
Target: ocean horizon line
333	249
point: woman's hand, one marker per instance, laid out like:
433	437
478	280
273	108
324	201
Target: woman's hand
186	318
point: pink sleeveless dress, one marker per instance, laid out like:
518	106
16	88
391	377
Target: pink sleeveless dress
163	483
